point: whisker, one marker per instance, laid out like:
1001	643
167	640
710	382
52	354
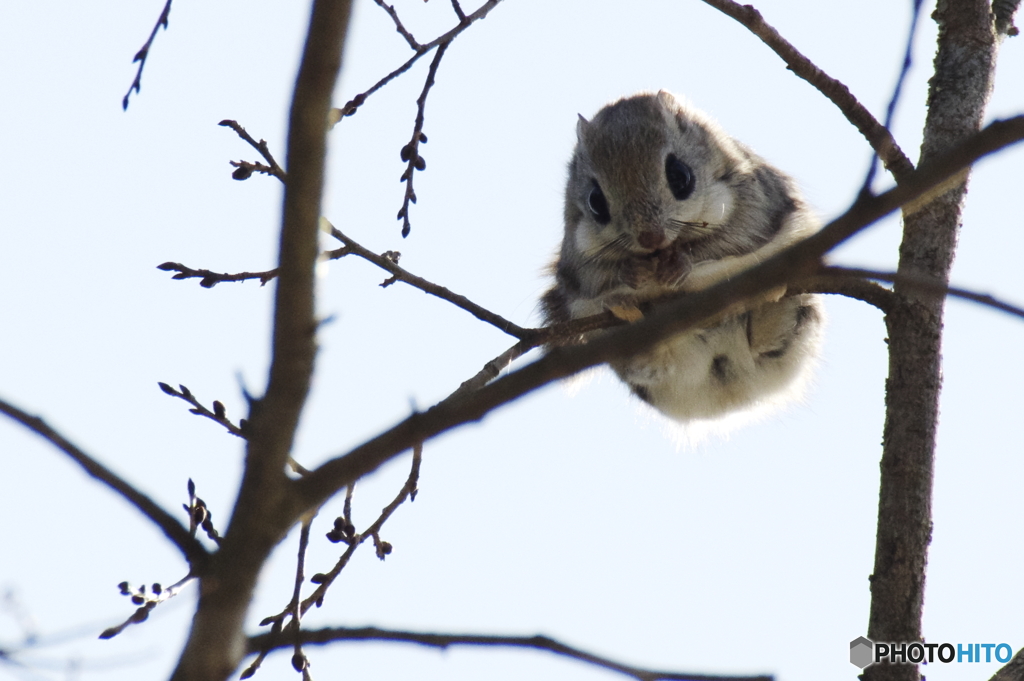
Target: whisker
610	250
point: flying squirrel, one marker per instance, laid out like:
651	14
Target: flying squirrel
660	200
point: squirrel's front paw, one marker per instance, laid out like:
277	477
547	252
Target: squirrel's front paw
671	266
637	272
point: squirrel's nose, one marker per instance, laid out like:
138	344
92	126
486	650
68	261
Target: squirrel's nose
652	237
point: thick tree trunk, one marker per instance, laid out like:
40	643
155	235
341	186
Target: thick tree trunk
958	94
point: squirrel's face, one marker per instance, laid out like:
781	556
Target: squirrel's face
645	174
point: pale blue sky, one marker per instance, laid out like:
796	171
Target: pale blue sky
570	514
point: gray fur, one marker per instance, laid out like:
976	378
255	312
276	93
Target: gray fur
629	239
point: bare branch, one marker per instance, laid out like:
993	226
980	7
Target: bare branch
880	139
179	536
408	491
245	169
271	169
146	600
445	641
390	265
299	661
218	415
200	515
890	111
831	282
410	152
682	312
343	532
211	278
465	22
398	25
143	54
494	368
387	262
924	285
458	10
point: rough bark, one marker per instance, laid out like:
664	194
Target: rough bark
958	93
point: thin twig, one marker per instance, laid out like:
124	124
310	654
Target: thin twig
245	169
346	511
211	279
444	641
387	262
178	534
390	265
566	333
927	286
464	23
494	368
890	111
143	54
408	491
851	287
398	25
410	152
344	532
299	661
458	10
272	167
146	600
880	139
218	415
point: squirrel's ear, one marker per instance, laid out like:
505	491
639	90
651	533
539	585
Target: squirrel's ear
667	99
582	125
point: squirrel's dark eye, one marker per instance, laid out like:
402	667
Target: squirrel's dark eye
598	205
680	177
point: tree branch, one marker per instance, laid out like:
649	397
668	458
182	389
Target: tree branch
390	265
387	262
398	25
218	415
444	641
922	284
829	281
410	152
464	22
209	278
271	169
880	139
345	532
193	551
143	54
